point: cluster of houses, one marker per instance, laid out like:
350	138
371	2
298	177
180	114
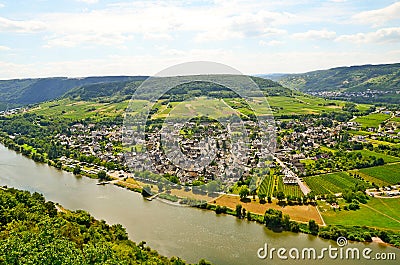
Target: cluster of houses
298	145
369	93
12	111
390	191
207	153
93	140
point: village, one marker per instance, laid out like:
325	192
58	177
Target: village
194	142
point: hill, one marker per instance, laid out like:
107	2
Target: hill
36	231
365	83
119	91
18	92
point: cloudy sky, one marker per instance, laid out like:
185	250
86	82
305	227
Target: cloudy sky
40	38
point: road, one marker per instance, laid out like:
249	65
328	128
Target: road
304	188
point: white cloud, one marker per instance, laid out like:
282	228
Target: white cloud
4	48
251	62
24	26
2	5
385	35
270	43
379	16
160	20
315	35
74	40
88	1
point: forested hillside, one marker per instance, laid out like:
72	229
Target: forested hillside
33	231
365	83
119	91
19	92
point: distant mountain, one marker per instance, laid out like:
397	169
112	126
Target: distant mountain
118	91
19	92
365	83
274	77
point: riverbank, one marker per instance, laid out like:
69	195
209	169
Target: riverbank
173	231
58	235
330	232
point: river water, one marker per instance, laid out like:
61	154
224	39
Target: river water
186	232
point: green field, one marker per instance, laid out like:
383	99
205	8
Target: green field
395	119
386	158
331	183
382	213
301	105
372	120
67	108
202	106
390	174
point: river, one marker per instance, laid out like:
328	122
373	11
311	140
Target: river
189	233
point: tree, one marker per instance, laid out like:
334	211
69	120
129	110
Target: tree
212	187
243	212
77	170
286	222
313	227
273	218
244	192
280	196
160	187
261	196
331	198
249	216
102	175
239	210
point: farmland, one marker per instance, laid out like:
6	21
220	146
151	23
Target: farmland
372	120
390	174
272	182
386	158
267	185
381	213
289	190
67	108
300	213
331	183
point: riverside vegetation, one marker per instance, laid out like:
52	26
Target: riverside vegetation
33	231
318	138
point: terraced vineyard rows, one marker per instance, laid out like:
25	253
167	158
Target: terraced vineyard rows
331	183
387	173
267	185
292	190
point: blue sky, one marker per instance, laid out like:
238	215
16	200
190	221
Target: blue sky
41	38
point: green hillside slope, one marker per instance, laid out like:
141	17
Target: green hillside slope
19	92
366	83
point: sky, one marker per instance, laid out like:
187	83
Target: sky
76	38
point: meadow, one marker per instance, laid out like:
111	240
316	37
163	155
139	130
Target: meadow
386	158
372	120
71	109
378	212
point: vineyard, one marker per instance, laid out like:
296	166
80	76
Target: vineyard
292	190
267	185
331	183
269	182
388	173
